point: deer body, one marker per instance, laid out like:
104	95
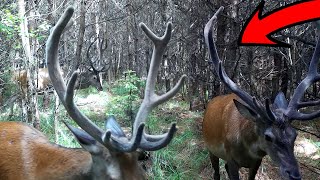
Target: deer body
21	146
42	80
230	136
27	154
21	78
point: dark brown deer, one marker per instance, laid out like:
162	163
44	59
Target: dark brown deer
91	76
26	154
241	130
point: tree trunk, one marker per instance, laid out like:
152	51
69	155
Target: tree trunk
29	102
77	59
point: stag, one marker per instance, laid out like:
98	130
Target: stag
91	76
241	130
26	154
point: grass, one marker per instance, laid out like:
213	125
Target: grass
184	158
174	162
171	162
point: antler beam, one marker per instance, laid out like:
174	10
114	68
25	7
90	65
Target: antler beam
291	111
252	102
151	99
312	77
114	142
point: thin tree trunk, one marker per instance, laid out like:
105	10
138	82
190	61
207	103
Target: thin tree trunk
76	61
29	102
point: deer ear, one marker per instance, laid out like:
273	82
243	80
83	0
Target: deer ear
246	111
280	101
85	140
112	124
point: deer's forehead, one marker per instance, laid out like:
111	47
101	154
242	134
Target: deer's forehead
280	118
284	130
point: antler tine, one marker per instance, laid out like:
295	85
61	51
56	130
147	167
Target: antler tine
123	144
66	94
309	103
251	101
151	99
88	52
295	102
102	69
208	31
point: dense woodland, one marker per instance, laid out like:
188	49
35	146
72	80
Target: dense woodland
104	36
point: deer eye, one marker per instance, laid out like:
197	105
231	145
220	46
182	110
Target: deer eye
268	135
268	138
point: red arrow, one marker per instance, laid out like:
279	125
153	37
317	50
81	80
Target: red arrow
258	29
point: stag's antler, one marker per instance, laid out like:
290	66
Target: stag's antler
112	141
291	111
151	100
295	102
105	67
215	60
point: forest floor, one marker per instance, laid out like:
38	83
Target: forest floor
307	146
186	156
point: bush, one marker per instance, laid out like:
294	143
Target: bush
126	94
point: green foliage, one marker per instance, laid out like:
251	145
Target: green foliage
126	93
10	87
87	103
40	31
86	92
9	23
10	26
174	162
63	136
130	82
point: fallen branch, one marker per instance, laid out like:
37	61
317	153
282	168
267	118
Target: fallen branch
314	134
311	168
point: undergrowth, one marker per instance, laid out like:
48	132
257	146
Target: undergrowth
184	158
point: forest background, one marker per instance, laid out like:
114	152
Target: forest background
105	35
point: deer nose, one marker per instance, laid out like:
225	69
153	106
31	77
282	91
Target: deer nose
293	175
99	88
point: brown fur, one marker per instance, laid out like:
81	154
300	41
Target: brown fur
130	167
27	154
227	133
41	81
